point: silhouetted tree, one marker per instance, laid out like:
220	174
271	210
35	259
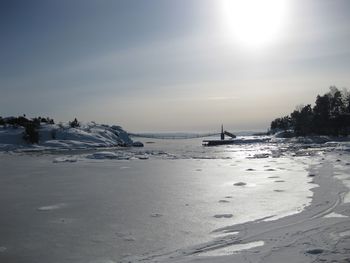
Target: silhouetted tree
321	120
336	103
329	116
50	121
284	123
74	123
301	120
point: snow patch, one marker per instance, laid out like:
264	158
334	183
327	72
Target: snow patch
51	207
231	249
334	215
345	233
65	159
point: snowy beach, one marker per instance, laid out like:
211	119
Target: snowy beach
177	201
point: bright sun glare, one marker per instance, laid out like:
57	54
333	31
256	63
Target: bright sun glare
254	23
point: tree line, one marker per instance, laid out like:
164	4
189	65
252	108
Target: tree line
329	116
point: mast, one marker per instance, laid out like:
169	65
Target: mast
222	132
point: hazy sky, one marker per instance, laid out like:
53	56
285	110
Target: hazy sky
181	65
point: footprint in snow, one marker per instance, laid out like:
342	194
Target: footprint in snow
223	216
223	201
129	239
156	215
314	251
126	236
240	184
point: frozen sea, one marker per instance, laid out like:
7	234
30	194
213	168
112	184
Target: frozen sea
123	204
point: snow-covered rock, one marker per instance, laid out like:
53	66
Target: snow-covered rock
284	134
137	144
59	136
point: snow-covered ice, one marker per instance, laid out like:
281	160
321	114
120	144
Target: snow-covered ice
176	201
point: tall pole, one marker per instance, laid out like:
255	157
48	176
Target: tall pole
222	132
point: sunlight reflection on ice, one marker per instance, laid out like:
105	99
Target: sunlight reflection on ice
231	249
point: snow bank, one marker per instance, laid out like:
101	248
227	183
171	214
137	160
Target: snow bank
316	139
53	136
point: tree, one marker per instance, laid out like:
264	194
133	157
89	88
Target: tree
321	119
74	123
336	103
329	116
302	120
283	123
31	133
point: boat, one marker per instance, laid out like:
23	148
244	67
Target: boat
222	140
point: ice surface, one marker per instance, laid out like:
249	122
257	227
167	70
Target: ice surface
106	155
166	202
180	200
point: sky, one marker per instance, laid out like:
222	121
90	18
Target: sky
161	65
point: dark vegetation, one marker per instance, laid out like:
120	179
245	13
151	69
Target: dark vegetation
74	123
329	116
31	133
32	126
23	121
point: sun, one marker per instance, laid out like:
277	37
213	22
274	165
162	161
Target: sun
254	23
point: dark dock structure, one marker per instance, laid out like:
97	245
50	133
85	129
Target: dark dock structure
222	140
